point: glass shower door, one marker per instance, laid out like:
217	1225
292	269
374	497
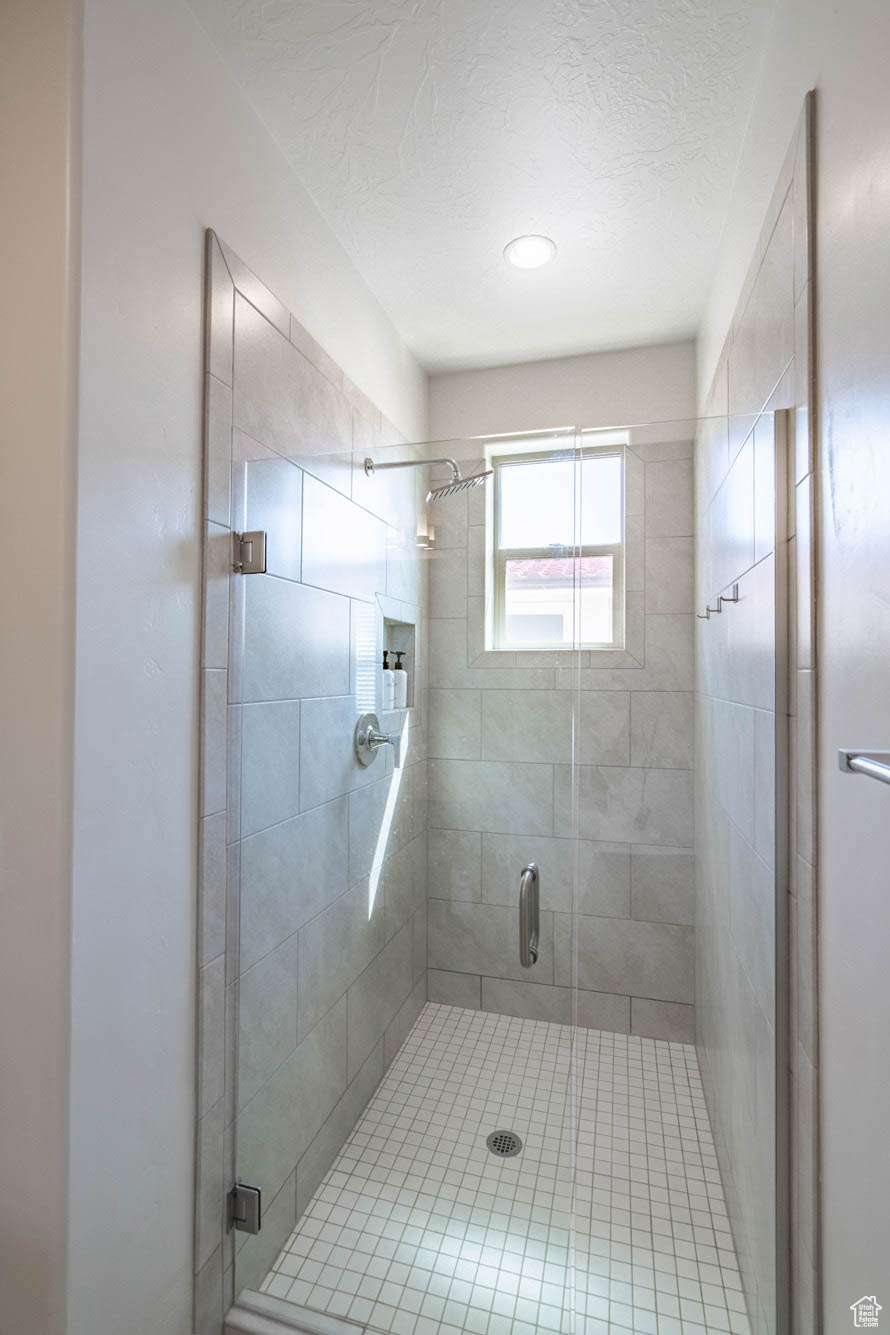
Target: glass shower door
328	805
680	943
366	890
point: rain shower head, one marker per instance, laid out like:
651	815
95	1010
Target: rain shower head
457	485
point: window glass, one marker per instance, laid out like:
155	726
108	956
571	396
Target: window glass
558	558
537	503
543	596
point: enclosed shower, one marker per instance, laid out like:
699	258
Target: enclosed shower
451	958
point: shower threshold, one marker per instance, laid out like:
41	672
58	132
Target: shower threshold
610	1218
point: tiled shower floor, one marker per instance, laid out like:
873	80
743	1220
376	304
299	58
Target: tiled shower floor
419	1230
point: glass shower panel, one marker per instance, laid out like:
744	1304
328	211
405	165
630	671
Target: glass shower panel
681	809
383	1015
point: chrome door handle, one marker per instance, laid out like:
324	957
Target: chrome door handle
529	915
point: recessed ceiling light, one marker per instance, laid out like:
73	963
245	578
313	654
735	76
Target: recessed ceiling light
529	252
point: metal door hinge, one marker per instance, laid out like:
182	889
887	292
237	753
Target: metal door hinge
249	552
245	1208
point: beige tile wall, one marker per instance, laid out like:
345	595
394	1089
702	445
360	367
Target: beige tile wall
501	780
313	924
767	364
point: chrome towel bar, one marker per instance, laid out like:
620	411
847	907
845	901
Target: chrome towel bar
529	915
874	764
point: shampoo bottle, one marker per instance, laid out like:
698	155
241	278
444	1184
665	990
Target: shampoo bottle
400	682
388	683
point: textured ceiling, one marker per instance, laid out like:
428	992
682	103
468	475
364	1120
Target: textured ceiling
430	132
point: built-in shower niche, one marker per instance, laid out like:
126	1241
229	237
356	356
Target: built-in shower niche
399	637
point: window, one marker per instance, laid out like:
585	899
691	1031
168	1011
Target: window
557	550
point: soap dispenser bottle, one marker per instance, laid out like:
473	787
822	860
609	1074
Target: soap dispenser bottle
388	683
400	682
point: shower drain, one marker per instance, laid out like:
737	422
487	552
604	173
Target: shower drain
504	1143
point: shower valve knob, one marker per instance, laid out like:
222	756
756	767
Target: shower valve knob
369	739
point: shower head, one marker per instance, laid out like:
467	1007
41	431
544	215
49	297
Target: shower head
451	488
457	485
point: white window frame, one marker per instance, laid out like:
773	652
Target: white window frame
498	556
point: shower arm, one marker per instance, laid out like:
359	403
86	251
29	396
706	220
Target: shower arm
371	467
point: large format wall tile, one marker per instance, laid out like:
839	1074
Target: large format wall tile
400	1025
669	1020
456	989
290	873
505	855
591	877
603	733
270	764
371	826
661	731
484	939
335	948
669	498
375	997
603	1010
448	583
636	958
324	1149
669	574
280	398
284	1116
296	641
527	725
603	881
732	521
328	763
455	864
500	797
268	1017
733	742
637	806
530	1001
455	724
273	502
344	547
662	884
669	653
404	884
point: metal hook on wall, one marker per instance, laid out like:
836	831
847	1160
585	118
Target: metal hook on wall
721	599
728	598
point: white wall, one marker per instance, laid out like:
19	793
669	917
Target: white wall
169	148
653	384
39	123
841	50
